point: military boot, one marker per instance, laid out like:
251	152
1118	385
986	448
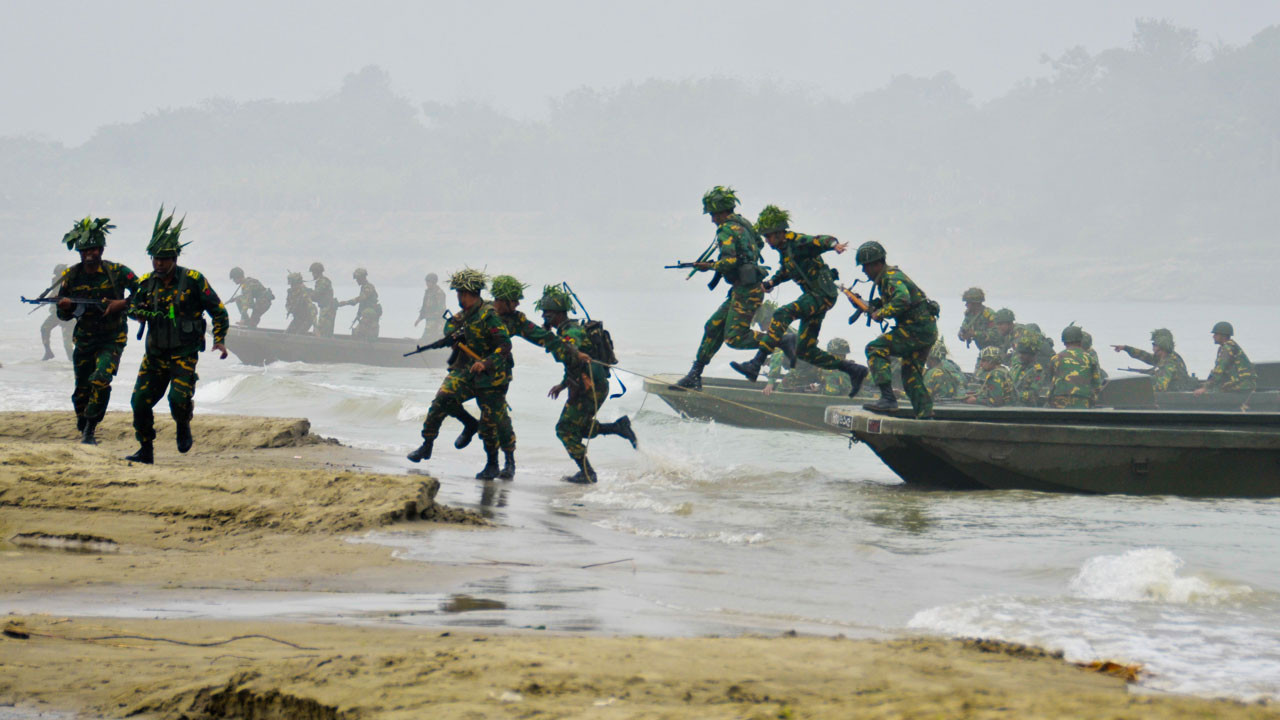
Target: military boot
751	368
857	373
144	455
80	421
886	403
508	465
87	438
422	453
788	347
490	470
183	435
469	427
692	381
622	428
586	475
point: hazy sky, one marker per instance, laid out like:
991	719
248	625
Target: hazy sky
71	66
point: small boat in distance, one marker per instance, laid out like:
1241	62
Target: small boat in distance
260	346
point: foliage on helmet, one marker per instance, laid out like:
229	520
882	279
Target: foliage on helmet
1223	328
295	278
1072	333
316	267
869	252
506	287
991	353
974	294
1162	338
468	280
1027	344
764	313
719	199
838	346
1004	315
164	236
773	219
939	350
88	234
554	299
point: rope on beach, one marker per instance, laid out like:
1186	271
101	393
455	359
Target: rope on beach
22	634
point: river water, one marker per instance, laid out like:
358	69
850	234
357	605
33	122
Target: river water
710	529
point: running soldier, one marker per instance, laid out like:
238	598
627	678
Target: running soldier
252	298
298	305
51	322
368	309
911	338
1168	371
1232	371
1074	377
326	303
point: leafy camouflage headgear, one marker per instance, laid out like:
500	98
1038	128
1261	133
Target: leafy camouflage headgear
1224	328
554	299
237	274
991	353
164	237
773	219
974	294
869	252
838	346
1162	338
1072	334
88	234
468	280
316	267
719	199
295	278
764	313
1004	315
939	350
1027	344
506	287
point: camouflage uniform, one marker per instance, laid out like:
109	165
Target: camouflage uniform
432	311
837	382
1030	383
1074	379
801	378
99	339
1167	375
1232	371
368	311
978	327
253	301
326	305
481	330
739	263
53	321
945	381
297	303
519	325
911	338
801	262
174	315
578	419
996	389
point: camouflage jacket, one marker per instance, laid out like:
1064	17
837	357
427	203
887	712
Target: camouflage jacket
802	263
483	332
1005	342
322	293
367	300
110	283
979	327
1074	379
836	382
575	339
252	292
739	246
902	300
1232	371
1030	383
1169	375
297	302
433	304
945	380
996	389
519	325
174	313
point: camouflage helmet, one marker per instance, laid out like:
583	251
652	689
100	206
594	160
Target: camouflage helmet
939	350
554	299
991	352
1223	328
295	278
88	234
237	274
1086	340
1162	338
773	219
164	237
506	287
764	313
1004	315
719	199
432	278
974	294
316	268
468	280
838	346
869	252
1073	333
359	273
1027	344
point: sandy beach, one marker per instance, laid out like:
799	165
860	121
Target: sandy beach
262	504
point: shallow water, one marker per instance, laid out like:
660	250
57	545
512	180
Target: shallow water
716	530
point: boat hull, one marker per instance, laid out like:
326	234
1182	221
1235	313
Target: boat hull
742	404
258	346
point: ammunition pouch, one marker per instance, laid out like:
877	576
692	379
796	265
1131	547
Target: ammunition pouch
752	274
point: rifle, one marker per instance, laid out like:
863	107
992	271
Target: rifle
81	304
1144	371
692	267
454	341
862	307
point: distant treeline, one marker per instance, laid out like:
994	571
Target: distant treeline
1165	145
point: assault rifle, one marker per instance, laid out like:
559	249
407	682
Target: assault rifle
81	304
448	341
1144	371
862	307
693	267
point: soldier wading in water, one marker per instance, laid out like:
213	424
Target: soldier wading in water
172	301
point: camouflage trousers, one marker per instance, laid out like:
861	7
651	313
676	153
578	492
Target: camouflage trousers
251	312
495	422
177	373
1070	402
810	310
911	343
68	327
300	324
95	364
325	319
578	419
366	326
731	323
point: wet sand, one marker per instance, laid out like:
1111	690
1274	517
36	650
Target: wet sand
261	504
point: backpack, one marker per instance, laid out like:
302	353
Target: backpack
601	342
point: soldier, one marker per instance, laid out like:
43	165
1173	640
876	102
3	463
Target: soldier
979	323
433	307
738	263
480	368
1087	344
1074	377
297	303
46	328
1031	377
1232	371
326	303
252	298
1005	332
944	379
996	389
1168	372
368	309
801	262
911	338
172	301
588	384
101	330
837	382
